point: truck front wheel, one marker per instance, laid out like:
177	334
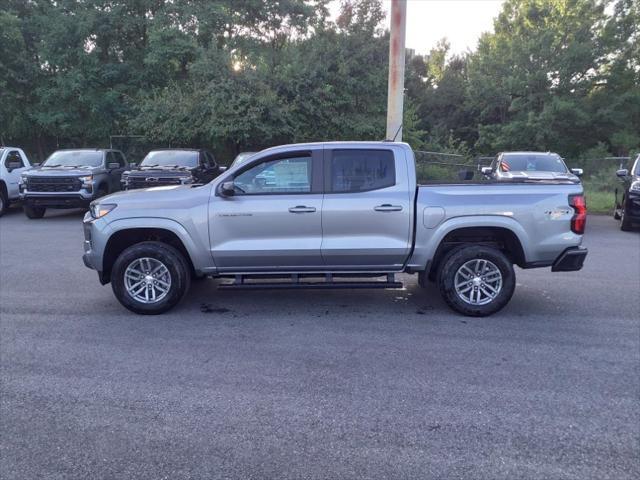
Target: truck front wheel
150	277
476	280
34	212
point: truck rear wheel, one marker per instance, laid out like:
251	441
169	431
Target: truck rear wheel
34	212
150	277
476	280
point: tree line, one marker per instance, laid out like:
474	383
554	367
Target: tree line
238	75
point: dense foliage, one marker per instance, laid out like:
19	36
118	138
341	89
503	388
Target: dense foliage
237	75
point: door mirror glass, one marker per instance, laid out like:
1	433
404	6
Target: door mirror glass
622	173
578	172
113	165
227	189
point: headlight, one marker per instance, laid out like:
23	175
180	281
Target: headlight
87	179
99	210
635	186
23	179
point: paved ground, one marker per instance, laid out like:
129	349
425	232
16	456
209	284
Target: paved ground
317	384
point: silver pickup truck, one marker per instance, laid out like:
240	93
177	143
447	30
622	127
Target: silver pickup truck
332	215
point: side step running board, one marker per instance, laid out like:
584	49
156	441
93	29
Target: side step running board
295	283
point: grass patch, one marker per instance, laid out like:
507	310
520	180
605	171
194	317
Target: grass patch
598	201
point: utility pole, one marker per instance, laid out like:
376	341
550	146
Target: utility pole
395	95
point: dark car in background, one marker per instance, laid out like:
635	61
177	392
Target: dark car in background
627	207
71	179
172	167
530	166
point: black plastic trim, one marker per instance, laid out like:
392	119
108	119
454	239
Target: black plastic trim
571	260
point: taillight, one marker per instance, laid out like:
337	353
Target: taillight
579	219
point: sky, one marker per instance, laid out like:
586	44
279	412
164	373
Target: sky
461	21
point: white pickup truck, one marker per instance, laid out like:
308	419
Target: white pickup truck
331	211
13	161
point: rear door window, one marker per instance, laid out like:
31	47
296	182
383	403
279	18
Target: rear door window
355	170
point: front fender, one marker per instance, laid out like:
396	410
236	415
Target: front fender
199	254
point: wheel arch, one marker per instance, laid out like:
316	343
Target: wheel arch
502	233
127	233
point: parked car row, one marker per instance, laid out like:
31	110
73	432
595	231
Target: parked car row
76	177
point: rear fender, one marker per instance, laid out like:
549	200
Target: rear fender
428	241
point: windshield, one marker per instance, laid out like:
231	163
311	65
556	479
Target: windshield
242	157
532	162
166	158
74	158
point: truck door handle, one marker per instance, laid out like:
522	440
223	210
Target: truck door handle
302	209
387	207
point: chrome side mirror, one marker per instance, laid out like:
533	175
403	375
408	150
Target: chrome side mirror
578	172
486	171
622	173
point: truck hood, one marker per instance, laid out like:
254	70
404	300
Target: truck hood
62	172
164	171
149	196
539	176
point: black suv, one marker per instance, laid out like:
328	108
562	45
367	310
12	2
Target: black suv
627	208
172	167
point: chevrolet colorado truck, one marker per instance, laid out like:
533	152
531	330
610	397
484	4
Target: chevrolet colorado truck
332	215
71	179
13	162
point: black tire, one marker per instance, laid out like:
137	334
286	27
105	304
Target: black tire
455	259
616	213
102	191
175	263
4	201
34	212
625	224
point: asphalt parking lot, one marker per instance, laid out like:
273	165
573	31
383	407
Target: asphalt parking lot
316	384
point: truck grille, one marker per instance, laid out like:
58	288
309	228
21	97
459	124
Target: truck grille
54	184
143	182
